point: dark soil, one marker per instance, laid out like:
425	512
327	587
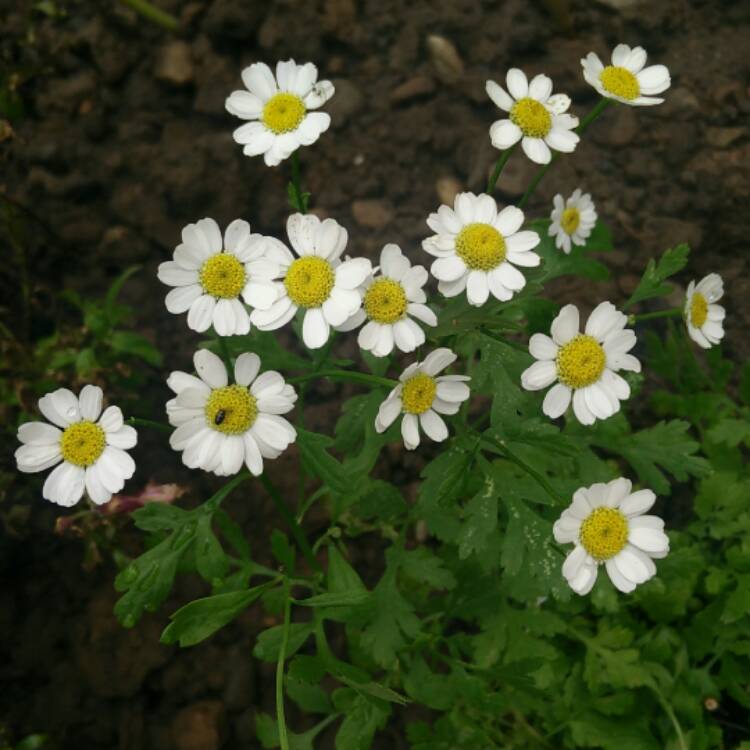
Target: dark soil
125	140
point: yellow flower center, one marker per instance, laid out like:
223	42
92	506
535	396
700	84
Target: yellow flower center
580	362
620	82
222	275
283	113
480	246
82	443
385	301
418	393
570	220
604	533
532	117
698	310
231	410
309	281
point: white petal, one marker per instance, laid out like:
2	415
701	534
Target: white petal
111	420
504	133
573	562
542	346
352	273
253	458
244	104
540	87
499	96
438	360
387	414
95	488
517	83
246	367
654	80
566	325
60	407
201	313
64	486
126	437
521	242
580	408
410	431
448	269
620	581
556	401
452	391
639	502
477	288
537	150
210	368
649	540
433	426
315	328
181	298
259	80
539	375
39	433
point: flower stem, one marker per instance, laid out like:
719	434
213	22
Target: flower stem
297	200
138	422
673	312
357	377
153	14
294	527
224	349
501	162
280	715
669	711
590	117
502	448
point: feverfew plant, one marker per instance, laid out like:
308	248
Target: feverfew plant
478	610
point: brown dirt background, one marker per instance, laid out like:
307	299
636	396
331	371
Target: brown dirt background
125	140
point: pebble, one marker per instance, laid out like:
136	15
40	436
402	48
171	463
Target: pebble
199	726
447	187
175	64
345	103
372	213
413	89
448	65
723	137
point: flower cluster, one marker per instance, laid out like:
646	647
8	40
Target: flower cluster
236	280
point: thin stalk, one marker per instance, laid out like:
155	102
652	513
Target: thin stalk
224	349
674	312
357	377
294	527
513	458
590	117
669	711
280	715
155	15
501	162
150	423
297	185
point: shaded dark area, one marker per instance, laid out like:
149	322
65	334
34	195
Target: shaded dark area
120	139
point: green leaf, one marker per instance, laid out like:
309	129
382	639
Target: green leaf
128	342
652	283
481	519
114	290
363	719
731	432
201	618
210	559
424	567
335	599
159	517
282	550
314	451
269	641
666	446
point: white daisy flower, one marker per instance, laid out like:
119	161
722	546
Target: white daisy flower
572	220
220	426
584	364
211	277
91	445
421	398
626	80
607	526
390	301
316	281
279	109
536	117
478	249
702	316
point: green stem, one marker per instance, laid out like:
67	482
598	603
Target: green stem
590	117
502	448
224	349
138	422
294	527
501	162
217	498
669	711
149	12
280	715
299	199
674	312
357	377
